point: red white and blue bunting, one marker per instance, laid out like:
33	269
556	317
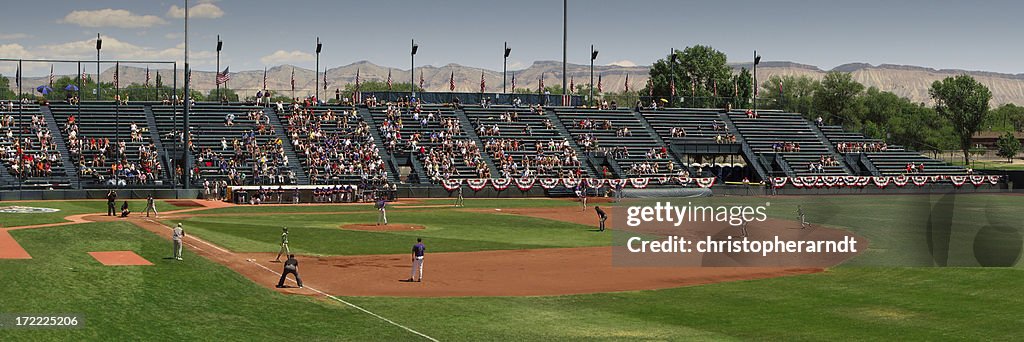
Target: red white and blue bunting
525	184
571	182
639	183
549	183
594	183
476	184
881	181
451	184
501	183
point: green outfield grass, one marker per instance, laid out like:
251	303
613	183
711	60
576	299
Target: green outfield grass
447	231
68	208
470	203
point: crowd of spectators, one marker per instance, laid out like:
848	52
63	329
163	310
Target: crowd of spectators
336	144
29	151
439	148
110	162
786	146
857	147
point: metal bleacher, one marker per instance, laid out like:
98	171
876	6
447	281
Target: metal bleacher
770	128
542	150
113	123
637	145
33	154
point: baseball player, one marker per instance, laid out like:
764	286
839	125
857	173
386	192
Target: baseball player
290	266
284	245
382	212
151	205
582	193
801	217
176	235
602	216
460	201
417	260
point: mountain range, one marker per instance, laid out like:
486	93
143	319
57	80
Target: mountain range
908	81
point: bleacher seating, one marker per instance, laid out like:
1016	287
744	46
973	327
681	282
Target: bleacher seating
691	126
39	163
334	145
521	139
112	143
790	137
636	150
439	142
248	152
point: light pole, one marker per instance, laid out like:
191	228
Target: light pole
757	60
504	68
672	73
220	45
412	70
593	56
565	37
99	45
185	120
316	75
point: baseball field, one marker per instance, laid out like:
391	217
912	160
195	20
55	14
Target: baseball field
499	269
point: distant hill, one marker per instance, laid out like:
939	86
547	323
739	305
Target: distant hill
908	81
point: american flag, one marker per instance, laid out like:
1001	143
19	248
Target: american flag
540	84
513	82
51	75
357	96
325	79
572	85
483	84
600	89
82	76
17	76
421	80
293	79
672	86
451	82
627	83
264	78
117	68
147	77
223	76
735	89
389	79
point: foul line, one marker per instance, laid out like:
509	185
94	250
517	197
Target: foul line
352	305
193	238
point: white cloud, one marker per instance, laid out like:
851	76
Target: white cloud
110	18
14	36
281	57
15	51
200	11
174	36
114	48
623	63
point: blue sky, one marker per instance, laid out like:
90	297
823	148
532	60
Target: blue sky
940	34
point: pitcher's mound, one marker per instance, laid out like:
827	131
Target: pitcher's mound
393	227
119	258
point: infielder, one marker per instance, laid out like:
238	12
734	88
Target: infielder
284	245
602	216
176	235
582	193
151	205
417	260
382	212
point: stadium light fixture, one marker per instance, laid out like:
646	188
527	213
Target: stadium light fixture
593	56
316	75
757	60
99	45
220	45
504	68
412	70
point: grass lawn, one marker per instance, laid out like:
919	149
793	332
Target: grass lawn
992	164
68	208
447	231
488	203
171	301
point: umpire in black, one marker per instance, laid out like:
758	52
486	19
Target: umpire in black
111	198
290	266
601	215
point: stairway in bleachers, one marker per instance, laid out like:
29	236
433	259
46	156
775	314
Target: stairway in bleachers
389	160
470	132
589	169
638	144
154	136
58	139
293	158
167	121
774	127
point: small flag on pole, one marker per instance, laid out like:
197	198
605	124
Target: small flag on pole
117	68
357	96
51	75
513	82
483	84
147	77
17	76
264	78
672	86
223	77
451	82
627	83
325	79
600	89
293	79
389	79
540	84
572	85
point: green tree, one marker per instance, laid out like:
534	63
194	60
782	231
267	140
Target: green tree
796	95
1008	146
698	72
1006	117
5	89
742	89
230	94
835	96
964	102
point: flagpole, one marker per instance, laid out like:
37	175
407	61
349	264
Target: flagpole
187	97
20	124
117	116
